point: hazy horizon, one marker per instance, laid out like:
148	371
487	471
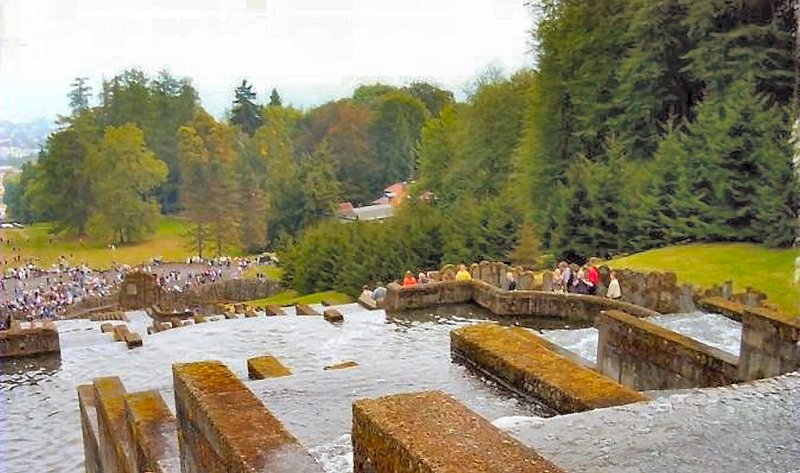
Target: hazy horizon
312	51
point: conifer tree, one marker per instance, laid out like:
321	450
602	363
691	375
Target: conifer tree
527	252
246	113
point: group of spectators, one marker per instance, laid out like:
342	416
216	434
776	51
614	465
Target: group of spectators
566	279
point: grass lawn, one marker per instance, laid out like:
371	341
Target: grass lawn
34	241
766	269
272	272
291	297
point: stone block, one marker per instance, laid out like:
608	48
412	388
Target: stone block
273	309
524	363
430	432
119	332
153	432
266	366
250	311
106	327
31	341
88	411
199	318
333	316
223	427
133	340
305	309
367	302
113	441
341	366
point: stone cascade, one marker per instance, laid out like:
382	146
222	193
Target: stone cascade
37	338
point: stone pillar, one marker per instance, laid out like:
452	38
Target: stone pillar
525	281
727	290
547	281
153	433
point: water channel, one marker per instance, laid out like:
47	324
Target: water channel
40	424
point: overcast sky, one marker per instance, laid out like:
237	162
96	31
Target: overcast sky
312	50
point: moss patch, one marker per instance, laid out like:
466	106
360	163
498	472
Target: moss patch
291	297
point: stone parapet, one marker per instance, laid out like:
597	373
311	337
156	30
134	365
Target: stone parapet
223	427
40	339
770	344
524	363
430	432
645	356
502	302
720	305
153	433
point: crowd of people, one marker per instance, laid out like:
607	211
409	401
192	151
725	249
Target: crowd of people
566	278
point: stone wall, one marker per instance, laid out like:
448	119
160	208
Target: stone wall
141	290
644	356
39	339
770	344
431	432
153	433
501	302
525	363
211	439
89	430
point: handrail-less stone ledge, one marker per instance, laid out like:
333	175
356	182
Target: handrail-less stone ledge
525	363
266	366
153	433
112	431
730	309
88	410
770	344
223	427
646	356
430	432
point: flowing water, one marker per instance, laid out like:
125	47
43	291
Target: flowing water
40	422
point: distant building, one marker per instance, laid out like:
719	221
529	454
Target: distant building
368	213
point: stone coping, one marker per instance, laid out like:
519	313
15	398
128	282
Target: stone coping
777	318
153	432
223	425
671	336
730	309
523	361
266	366
430	432
113	440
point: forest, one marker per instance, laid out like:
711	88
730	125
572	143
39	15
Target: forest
643	123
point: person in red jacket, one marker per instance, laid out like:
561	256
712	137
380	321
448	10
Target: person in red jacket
593	276
409	279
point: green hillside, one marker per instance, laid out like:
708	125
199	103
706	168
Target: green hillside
766	269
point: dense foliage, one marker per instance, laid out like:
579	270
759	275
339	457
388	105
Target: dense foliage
645	123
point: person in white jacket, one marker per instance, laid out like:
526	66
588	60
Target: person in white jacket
614	291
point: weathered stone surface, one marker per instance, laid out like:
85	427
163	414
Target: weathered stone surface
199	318
107	327
212	440
250	312
431	432
133	340
267	366
305	309
524	362
416	297
333	316
112	438
341	366
119	332
770	344
274	310
367	302
645	356
39	339
88	410
730	309
153	432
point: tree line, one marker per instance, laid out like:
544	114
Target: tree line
644	123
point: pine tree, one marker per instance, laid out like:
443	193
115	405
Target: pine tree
321	190
275	99
246	113
527	252
79	95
